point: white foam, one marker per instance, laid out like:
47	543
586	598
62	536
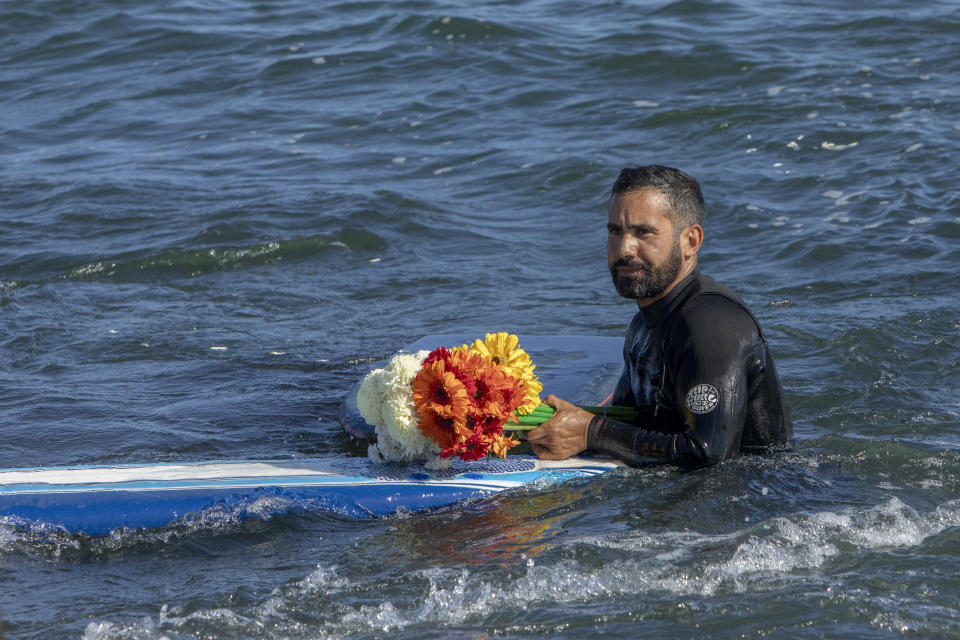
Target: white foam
90	269
832	146
143	628
843	200
771	549
645	104
754	559
442	170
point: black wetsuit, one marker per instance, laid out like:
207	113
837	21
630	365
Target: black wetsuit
699	373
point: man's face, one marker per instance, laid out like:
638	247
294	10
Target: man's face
642	251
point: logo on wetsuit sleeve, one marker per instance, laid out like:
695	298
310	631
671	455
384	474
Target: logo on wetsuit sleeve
703	398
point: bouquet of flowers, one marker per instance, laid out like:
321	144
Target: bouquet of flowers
450	402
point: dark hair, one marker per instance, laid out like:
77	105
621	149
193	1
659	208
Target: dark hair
683	191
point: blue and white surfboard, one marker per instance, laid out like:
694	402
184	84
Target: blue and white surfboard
98	499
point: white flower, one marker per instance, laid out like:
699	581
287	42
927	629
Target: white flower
373	452
370	397
401	370
385	400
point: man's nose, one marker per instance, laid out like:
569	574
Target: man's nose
627	246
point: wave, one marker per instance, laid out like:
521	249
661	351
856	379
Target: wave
255	513
804	558
196	262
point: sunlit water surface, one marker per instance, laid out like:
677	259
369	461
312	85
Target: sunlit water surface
215	215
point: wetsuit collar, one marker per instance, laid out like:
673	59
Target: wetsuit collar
653	313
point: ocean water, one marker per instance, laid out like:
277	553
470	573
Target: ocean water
214	215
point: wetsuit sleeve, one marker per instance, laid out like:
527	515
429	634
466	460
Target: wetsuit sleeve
637	446
709	352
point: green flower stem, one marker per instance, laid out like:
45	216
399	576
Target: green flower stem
544	412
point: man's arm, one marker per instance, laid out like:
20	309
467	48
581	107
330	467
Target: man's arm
572	431
712	352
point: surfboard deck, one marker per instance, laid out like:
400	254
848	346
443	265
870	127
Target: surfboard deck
98	499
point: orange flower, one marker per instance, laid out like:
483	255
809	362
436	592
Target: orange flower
495	392
439	391
463	399
500	444
456	364
446	432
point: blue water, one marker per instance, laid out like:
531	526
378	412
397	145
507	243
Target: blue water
215	215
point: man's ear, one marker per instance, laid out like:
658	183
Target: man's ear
690	240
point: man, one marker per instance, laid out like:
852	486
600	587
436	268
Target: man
697	365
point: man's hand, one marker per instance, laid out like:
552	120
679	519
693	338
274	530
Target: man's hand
563	435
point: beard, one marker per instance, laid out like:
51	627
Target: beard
651	280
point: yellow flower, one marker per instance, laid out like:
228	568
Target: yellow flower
501	348
531	394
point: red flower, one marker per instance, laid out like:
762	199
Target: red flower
475	447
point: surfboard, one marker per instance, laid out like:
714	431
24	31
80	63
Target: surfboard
96	500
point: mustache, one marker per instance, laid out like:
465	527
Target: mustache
632	264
